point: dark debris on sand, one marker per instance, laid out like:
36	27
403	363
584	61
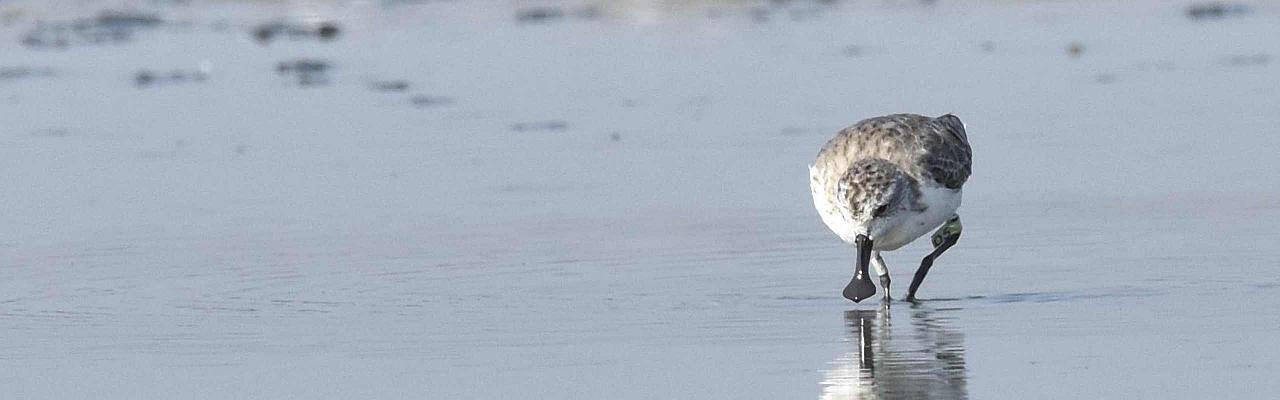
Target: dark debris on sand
1204	11
424	101
795	10
15	73
147	78
1075	49
107	27
389	86
1246	60
538	15
305	71
545	126
323	31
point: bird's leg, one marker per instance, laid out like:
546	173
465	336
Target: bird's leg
882	269
942	239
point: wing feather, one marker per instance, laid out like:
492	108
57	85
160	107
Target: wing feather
926	148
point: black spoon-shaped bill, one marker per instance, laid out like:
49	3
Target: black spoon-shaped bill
861	286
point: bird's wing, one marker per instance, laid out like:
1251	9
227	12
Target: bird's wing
947	156
927	148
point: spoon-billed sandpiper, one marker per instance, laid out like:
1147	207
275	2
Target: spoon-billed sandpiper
886	181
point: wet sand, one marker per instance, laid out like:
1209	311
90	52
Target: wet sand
614	203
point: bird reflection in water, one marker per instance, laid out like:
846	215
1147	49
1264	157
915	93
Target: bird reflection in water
922	360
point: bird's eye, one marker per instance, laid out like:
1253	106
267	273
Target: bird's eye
880	210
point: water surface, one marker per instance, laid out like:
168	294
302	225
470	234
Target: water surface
613	204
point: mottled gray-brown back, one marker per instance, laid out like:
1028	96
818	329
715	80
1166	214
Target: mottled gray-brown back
930	150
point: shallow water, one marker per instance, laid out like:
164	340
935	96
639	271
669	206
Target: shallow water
614	205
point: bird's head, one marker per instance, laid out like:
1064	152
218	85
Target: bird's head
875	192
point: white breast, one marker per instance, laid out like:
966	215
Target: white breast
906	226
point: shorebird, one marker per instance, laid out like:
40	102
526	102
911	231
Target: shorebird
886	181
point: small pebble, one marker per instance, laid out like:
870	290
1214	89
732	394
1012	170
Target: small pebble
1075	49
